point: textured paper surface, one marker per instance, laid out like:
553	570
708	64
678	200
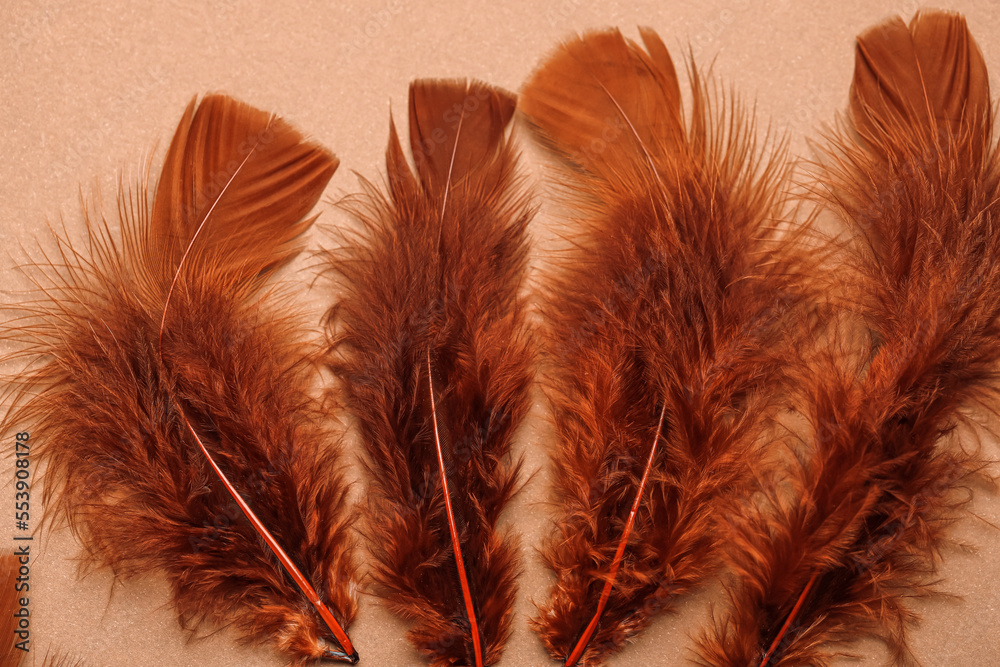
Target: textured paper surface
91	90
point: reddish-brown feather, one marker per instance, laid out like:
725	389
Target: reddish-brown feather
143	347
674	301
430	343
10	655
917	184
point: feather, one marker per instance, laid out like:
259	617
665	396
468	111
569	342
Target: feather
429	341
9	606
665	324
172	397
916	183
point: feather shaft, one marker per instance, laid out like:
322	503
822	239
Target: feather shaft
581	645
456	543
788	621
348	654
193	241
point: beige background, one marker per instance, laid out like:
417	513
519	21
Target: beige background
88	89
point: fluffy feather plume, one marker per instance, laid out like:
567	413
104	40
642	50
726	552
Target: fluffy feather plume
916	183
430	344
665	325
171	398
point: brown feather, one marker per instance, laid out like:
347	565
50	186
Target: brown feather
917	185
9	595
665	325
143	348
430	343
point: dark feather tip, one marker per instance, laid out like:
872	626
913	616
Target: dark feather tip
340	656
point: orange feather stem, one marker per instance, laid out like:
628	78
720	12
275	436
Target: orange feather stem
581	644
348	654
788	621
456	544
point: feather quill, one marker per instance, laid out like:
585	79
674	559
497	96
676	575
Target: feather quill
915	178
430	344
665	323
171	394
